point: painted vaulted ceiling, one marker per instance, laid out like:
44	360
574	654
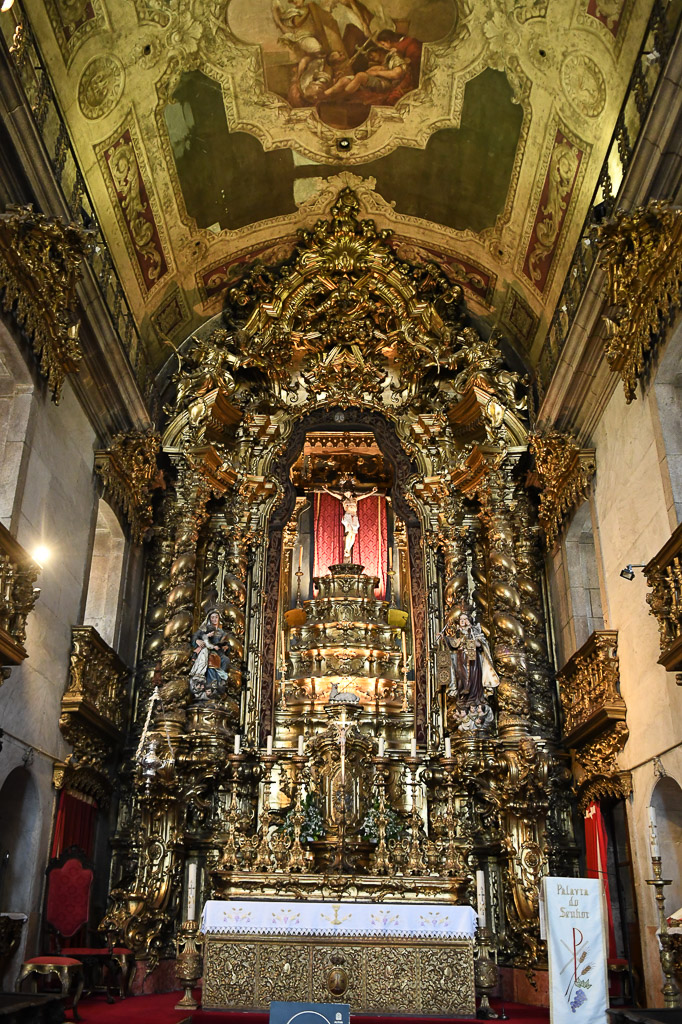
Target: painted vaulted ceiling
209	131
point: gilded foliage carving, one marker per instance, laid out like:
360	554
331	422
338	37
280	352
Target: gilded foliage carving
565	472
664	576
230	974
641	252
446	982
18	573
130	475
39	269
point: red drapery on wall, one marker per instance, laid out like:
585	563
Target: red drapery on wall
75	825
596	848
371	545
328	533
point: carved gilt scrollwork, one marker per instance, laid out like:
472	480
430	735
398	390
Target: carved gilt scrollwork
641	252
39	270
130	475
18	573
664	576
565	471
594	717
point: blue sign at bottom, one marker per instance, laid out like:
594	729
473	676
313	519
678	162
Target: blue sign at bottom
309	1013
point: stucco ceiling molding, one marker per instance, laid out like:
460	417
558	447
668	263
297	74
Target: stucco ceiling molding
551	205
608	19
74	21
128	182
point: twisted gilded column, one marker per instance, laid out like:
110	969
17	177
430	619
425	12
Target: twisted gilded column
497	493
529	575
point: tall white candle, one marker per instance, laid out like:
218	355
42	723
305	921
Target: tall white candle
382	746
192	892
413	747
653	834
480	898
404	645
268	745
448	747
237	743
300	746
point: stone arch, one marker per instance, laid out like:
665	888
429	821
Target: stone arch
106	573
666	800
20	817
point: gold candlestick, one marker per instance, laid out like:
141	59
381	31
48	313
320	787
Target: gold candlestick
671	994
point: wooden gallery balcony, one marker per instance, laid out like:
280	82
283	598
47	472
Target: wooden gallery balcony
594	717
664	576
18	573
93	713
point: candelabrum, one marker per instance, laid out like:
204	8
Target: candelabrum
188	963
381	862
415	859
298	860
229	860
671	995
263	853
452	865
485	974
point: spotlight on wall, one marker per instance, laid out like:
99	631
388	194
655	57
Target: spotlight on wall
41	554
628	574
6	5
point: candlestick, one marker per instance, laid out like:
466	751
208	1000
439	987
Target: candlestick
268	745
382	746
237	743
653	834
404	645
300	746
284	656
192	892
448	747
300	556
390	558
413	747
480	898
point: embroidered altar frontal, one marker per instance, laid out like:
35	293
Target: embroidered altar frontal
383	958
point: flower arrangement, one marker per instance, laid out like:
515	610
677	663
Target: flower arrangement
312	827
369	829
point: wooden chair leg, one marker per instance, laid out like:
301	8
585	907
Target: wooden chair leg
24	973
80	979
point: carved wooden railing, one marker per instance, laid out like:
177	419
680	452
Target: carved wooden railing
594	717
664	576
93	714
18	573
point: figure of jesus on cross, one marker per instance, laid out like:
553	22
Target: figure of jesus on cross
351	524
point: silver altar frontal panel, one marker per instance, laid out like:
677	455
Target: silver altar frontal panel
391	958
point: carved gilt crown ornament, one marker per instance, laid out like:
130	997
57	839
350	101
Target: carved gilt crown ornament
308	713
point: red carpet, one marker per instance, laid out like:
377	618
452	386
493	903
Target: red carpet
158	1009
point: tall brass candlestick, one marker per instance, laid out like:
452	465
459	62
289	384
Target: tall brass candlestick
671	994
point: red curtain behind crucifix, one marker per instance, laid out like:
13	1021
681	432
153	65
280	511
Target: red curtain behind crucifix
328	533
370	548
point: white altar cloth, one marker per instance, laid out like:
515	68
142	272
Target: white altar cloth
285	917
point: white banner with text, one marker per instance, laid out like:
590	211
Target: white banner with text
576	944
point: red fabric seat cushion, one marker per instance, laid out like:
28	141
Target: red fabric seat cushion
58	961
122	951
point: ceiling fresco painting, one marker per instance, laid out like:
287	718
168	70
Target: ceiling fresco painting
210	131
343	57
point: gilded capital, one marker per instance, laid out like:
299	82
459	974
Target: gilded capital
130	475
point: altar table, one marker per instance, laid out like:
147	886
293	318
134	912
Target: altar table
379	957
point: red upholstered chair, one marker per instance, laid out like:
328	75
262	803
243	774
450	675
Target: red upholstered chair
67	909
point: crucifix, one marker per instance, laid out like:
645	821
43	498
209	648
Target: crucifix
351	524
